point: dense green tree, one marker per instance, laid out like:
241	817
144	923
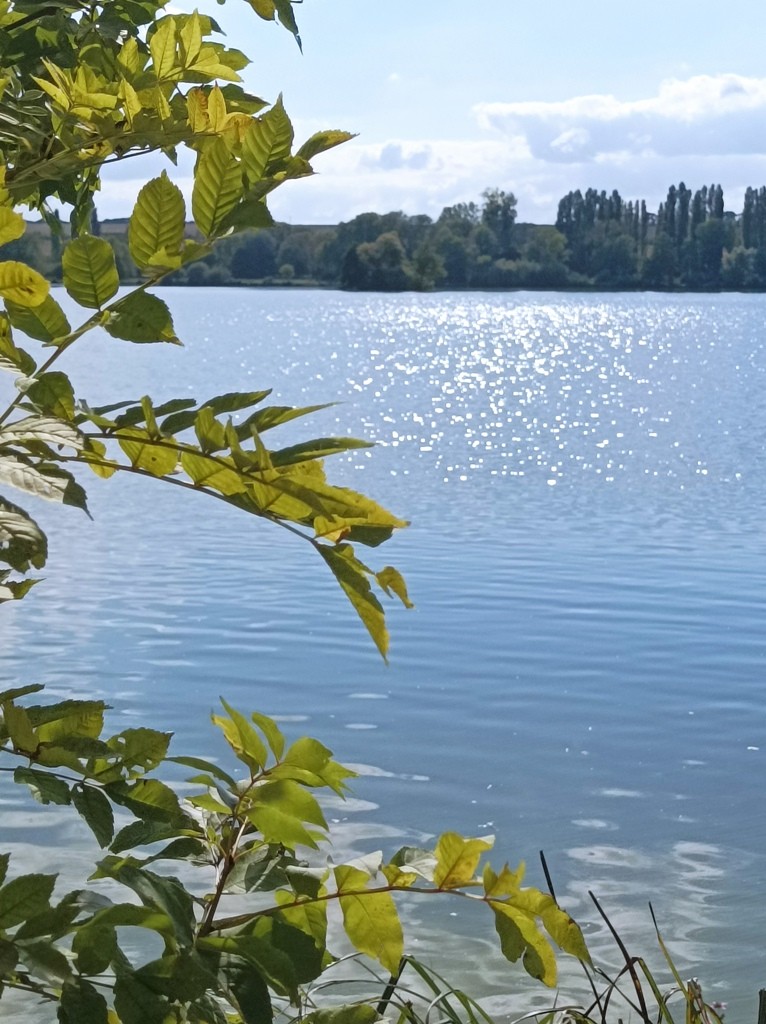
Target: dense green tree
254	257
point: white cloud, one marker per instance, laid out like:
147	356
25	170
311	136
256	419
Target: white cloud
700	116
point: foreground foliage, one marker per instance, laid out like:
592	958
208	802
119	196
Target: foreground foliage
251	934
79	90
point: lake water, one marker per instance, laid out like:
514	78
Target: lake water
584	671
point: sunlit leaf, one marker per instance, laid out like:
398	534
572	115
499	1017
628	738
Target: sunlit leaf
268	140
21	284
217	187
457	859
158	221
90	272
43	481
52	393
370	919
320	142
11	225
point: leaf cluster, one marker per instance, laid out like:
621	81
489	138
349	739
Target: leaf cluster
110	83
255	830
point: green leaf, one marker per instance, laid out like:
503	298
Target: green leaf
155	891
25	897
81	1003
319	448
12	358
217	187
204	766
308	761
268	140
129	915
135	1003
276	415
179	976
320	142
148	799
22	543
19	726
52	393
158	221
46	788
251	994
279	811
4	861
90	272
21	284
19	691
350	1013
142	833
352	577
392	581
141	748
47	962
46	322
271	731
44	481
370	919
242	738
95	946
141	318
457	860
519	937
8	958
96	810
231	402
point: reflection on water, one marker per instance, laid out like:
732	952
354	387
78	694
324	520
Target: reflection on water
583	673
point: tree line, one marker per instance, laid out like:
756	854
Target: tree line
599	240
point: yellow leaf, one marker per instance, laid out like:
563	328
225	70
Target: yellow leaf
163	49
370	919
457	859
22	284
196	106
11	225
392	581
216	110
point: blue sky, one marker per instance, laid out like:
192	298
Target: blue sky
451	97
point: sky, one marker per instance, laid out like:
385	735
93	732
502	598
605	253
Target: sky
536	97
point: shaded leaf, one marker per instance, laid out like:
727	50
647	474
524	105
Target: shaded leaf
45	788
22	543
137	1004
46	322
352	577
141	318
24	897
81	1003
52	393
96	810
